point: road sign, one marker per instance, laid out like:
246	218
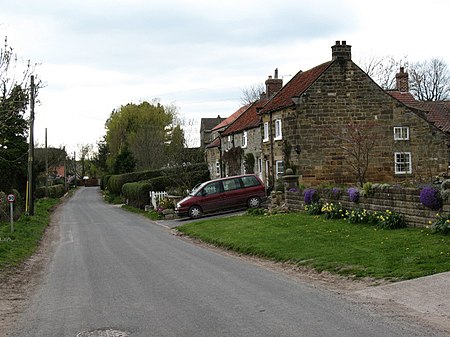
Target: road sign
11	198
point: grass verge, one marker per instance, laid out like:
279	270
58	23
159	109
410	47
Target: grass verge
332	245
16	247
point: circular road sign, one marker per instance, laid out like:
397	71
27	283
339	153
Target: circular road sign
11	198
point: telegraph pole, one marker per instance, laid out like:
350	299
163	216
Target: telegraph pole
30	203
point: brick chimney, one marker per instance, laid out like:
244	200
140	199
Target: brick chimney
341	51
273	85
402	80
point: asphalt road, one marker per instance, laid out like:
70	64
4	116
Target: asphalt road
118	274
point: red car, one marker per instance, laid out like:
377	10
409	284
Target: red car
222	194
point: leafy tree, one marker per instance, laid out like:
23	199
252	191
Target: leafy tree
143	130
101	156
14	95
124	162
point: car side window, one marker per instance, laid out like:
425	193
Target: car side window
212	188
231	184
250	181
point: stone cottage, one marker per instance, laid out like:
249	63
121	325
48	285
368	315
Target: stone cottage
333	124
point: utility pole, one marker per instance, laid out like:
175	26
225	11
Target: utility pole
75	168
30	199
46	164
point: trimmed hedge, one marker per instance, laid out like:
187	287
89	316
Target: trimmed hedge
115	182
137	193
55	191
135	187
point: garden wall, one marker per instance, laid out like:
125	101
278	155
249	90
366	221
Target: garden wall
405	201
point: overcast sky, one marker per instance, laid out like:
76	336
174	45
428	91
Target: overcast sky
96	55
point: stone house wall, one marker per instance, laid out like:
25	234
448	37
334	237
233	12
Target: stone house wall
344	93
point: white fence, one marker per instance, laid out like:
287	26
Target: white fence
156	198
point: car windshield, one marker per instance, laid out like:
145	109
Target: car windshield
195	189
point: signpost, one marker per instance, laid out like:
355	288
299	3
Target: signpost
11	198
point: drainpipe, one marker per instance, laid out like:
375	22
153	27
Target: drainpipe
271	153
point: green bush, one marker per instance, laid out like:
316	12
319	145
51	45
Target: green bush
333	211
314	208
137	193
55	191
115	182
390	220
441	224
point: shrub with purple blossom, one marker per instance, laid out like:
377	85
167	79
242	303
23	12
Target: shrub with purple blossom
311	196
431	198
336	193
353	194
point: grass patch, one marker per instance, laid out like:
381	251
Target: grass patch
152	215
332	245
16	247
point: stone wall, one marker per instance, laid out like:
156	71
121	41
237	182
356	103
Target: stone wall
405	201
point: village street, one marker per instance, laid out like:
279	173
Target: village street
114	273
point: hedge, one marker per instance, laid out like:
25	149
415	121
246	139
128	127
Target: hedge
55	191
115	182
137	193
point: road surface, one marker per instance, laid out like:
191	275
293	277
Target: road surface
115	273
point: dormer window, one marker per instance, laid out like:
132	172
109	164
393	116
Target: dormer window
401	133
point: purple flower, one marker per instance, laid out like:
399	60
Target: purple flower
294	189
311	196
431	198
353	194
336	192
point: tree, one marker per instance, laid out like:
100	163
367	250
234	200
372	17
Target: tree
144	130
252	93
85	151
430	80
382	69
101	156
124	162
357	140
14	96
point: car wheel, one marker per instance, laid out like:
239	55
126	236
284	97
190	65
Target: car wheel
254	202
195	212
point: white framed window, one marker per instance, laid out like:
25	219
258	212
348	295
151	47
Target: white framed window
403	162
230	144
266	132
278	134
401	133
279	168
217	168
244	139
260	165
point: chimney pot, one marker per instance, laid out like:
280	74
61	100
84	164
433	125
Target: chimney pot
276	73
341	52
338	43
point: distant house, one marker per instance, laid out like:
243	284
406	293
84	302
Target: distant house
213	150
334	124
206	126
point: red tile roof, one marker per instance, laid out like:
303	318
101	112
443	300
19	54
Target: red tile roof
248	120
231	119
437	113
295	87
214	143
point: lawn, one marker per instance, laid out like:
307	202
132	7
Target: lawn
332	245
28	230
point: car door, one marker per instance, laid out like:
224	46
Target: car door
211	197
233	193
